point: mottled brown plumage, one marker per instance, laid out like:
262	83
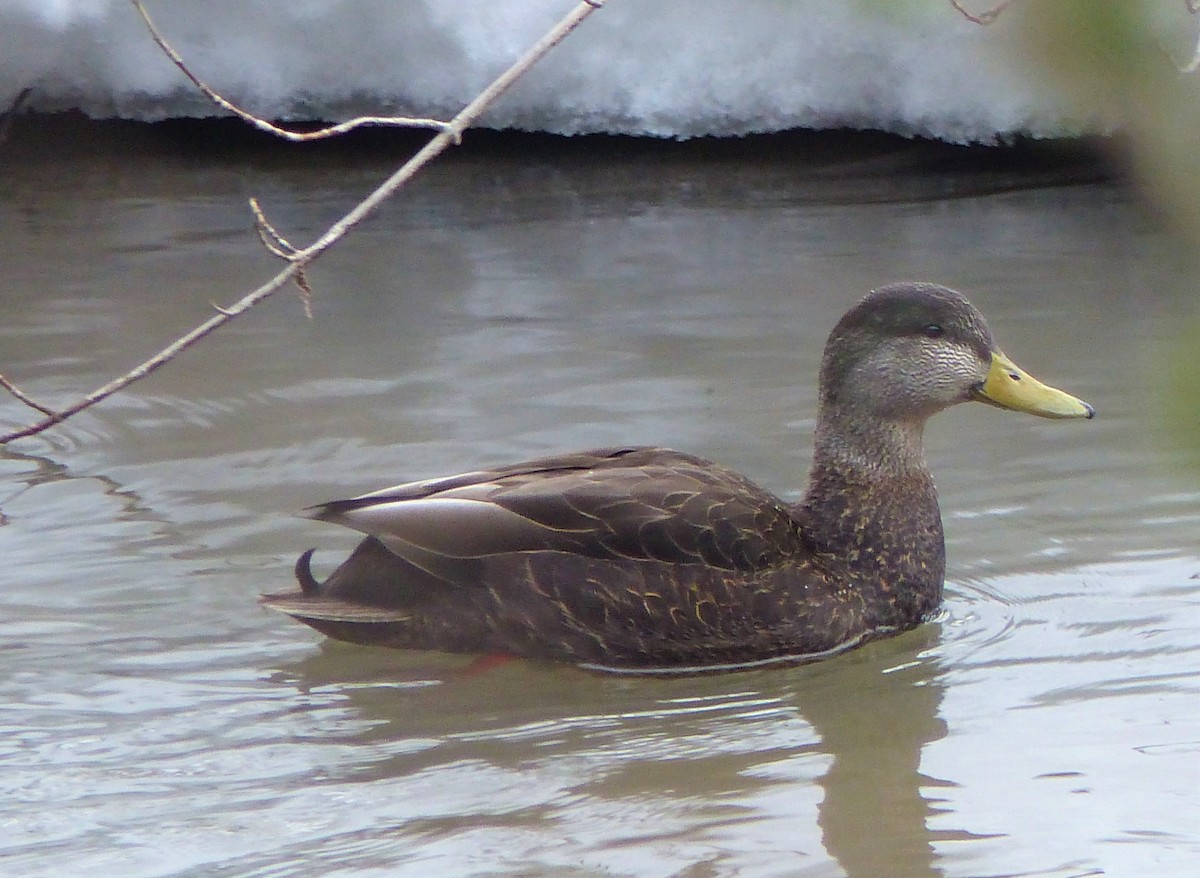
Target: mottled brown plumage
643	558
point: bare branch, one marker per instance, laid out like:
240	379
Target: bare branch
276	243
306	293
297	259
25	398
984	18
262	124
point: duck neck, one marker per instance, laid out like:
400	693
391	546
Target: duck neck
872	504
870	448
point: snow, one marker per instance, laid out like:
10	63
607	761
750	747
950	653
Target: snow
667	68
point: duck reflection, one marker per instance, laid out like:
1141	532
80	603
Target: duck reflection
875	718
727	770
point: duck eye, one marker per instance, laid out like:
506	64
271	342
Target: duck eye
934	330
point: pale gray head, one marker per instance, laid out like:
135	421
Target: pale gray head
906	352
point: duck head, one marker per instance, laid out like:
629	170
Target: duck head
910	350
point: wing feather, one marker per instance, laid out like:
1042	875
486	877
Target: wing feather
635	503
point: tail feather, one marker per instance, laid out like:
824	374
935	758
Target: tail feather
304	606
308	583
369	587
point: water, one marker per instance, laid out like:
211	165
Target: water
525	299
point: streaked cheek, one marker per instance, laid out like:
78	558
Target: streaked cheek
961	364
944	375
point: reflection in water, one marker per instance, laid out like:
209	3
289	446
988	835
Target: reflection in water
714	769
874	819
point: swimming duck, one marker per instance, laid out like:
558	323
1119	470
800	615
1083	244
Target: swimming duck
642	559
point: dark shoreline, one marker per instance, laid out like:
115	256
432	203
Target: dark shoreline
55	136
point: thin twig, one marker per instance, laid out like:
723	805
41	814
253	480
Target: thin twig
269	235
280	246
24	397
262	124
297	260
306	293
984	18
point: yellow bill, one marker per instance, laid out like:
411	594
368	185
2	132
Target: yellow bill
1009	387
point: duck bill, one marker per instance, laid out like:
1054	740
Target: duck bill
1010	387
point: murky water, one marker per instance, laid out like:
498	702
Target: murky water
156	722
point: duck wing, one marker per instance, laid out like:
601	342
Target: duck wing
629	503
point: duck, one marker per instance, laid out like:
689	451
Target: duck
641	559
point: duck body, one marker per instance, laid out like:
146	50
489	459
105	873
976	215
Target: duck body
641	558
625	557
